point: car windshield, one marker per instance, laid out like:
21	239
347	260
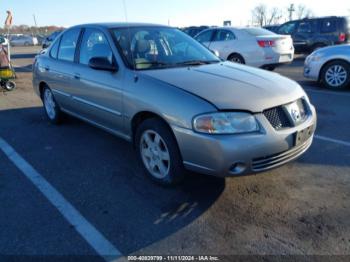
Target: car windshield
160	47
258	31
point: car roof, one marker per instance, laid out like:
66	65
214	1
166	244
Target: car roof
119	25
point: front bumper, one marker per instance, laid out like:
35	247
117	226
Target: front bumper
236	155
312	70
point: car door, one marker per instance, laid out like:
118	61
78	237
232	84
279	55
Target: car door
224	42
59	68
97	93
205	37
304	35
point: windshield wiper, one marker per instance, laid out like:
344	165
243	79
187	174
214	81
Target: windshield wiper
152	63
198	62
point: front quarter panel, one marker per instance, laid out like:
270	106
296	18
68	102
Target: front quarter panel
146	94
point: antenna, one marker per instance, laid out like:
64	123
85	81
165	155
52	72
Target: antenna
129	32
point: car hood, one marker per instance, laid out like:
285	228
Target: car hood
232	86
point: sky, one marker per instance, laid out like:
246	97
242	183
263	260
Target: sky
174	12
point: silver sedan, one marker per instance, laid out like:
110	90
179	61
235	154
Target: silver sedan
181	106
330	66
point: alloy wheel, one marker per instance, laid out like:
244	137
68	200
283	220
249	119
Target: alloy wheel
336	75
155	154
49	103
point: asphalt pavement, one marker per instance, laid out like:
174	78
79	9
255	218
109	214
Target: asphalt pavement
74	191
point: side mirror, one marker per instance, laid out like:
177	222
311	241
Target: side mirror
102	63
215	52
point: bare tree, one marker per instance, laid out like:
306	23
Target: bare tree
259	14
303	12
263	16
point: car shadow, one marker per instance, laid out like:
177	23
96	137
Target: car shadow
99	174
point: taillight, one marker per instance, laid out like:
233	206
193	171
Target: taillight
342	37
266	43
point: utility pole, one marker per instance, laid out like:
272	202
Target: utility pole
35	23
291	10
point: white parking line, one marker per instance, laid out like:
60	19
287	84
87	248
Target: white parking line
336	141
92	236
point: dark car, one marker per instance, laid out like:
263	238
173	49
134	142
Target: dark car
272	28
194	30
48	40
314	33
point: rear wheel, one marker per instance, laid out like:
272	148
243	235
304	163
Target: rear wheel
236	58
336	75
159	153
51	107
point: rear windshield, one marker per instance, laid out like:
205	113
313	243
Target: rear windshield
258	31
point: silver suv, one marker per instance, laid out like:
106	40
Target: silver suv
181	106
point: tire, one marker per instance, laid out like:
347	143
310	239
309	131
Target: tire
336	75
236	58
10	85
51	107
158	153
269	68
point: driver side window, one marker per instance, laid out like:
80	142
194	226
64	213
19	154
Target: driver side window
204	37
288	28
94	44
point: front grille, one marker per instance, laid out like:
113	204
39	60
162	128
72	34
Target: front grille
278	118
269	162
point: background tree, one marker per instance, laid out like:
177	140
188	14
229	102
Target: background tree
303	12
263	16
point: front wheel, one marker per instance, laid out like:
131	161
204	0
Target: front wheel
10	85
51	107
159	153
336	75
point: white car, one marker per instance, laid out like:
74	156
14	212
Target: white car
256	47
24	40
330	66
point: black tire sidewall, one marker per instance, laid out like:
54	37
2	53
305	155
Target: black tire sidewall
347	68
236	56
177	171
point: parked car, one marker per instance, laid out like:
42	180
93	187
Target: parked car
194	30
330	66
311	34
252	46
48	40
181	106
23	40
272	28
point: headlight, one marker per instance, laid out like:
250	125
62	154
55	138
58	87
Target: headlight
226	123
313	58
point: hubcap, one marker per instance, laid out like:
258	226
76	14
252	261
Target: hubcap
50	105
155	154
336	75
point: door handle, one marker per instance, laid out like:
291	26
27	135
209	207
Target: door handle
47	68
77	76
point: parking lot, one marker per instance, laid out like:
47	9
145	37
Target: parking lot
75	190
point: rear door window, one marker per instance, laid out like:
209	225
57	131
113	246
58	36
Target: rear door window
68	45
328	26
305	27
